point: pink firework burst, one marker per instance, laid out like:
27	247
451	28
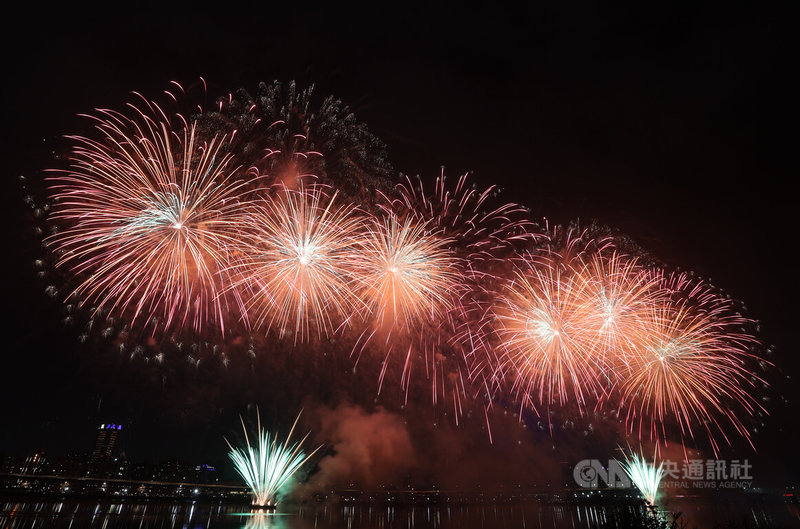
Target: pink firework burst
146	218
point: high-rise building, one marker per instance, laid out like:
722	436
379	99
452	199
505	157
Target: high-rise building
104	445
34	463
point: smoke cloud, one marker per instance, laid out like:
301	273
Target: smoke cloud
366	448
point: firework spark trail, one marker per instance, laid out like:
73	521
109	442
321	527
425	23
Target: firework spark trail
479	237
545	346
645	476
460	213
409	282
691	366
299	261
268	466
616	292
148	218
408	274
160	227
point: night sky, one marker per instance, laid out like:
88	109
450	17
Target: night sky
670	124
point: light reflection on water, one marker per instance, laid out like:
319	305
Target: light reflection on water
27	514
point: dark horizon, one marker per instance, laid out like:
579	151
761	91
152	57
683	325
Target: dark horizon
669	124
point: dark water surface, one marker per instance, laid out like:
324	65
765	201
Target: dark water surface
28	514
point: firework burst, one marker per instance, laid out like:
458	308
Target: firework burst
268	465
479	233
298	261
146	214
408	274
544	345
616	293
296	140
691	365
480	237
161	228
409	283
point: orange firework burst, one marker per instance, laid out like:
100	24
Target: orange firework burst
408	274
298	261
409	281
146	213
481	238
616	292
530	331
544	345
691	366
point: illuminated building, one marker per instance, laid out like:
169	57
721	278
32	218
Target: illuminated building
104	444
34	463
